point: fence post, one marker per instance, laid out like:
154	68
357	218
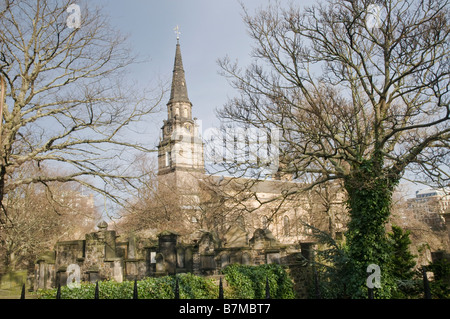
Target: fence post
22	295
58	292
316	285
135	290
426	285
267	288
177	289
220	289
370	293
96	294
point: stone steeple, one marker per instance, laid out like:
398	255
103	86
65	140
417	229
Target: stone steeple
181	146
178	91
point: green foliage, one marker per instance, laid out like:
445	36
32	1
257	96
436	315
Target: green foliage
245	282
440	287
190	287
249	282
408	283
398	279
402	260
370	194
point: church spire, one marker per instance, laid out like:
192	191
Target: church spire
178	91
181	146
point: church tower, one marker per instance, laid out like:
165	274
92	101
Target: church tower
180	151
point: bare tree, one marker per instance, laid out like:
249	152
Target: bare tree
358	96
155	207
67	103
39	216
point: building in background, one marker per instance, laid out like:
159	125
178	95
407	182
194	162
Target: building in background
429	205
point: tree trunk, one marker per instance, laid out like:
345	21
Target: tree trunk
370	194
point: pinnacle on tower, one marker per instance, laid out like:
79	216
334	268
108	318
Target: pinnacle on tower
178	91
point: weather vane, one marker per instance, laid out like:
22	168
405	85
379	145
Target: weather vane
177	32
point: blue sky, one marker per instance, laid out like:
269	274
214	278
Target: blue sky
210	29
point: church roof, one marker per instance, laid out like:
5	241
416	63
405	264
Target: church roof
254	185
178	91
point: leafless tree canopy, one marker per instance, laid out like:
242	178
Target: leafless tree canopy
343	89
40	215
67	102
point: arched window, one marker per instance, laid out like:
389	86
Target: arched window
286	226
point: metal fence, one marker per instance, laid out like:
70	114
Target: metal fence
426	288
136	295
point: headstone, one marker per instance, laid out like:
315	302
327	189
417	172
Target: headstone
167	246
131	253
93	276
273	258
188	259
160	265
224	260
118	271
61	276
307	250
110	244
180	257
42	273
206	244
263	238
152	257
246	259
236	236
207	262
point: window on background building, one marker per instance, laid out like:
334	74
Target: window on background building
286	226
264	222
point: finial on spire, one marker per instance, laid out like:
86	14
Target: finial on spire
177	32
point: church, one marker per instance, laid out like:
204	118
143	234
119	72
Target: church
229	219
258	203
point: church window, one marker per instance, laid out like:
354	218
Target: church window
286	226
168	159
265	222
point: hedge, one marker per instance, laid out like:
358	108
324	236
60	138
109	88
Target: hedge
244	282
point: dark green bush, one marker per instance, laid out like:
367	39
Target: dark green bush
190	287
245	282
249	282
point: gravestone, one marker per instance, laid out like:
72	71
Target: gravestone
263	238
188	259
273	258
180	257
61	276
246	259
131	252
224	260
236	236
307	251
118	271
167	247
160	265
